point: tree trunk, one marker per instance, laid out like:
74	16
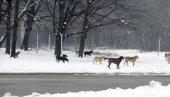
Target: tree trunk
28	28
84	29
2	39
61	27
14	40
82	45
1	1
141	43
58	45
8	28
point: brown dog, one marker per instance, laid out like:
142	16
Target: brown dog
131	59
98	59
167	57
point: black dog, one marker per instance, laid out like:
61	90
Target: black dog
77	52
88	53
16	54
63	58
115	61
64	55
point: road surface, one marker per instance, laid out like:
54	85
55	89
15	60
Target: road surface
20	85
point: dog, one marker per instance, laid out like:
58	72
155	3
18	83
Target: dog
98	59
64	55
16	54
62	58
77	52
115	61
167	57
88	53
131	59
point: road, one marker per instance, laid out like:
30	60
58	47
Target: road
20	85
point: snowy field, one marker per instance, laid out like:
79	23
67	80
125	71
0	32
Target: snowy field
45	62
154	89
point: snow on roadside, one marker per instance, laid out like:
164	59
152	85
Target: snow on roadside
45	62
154	89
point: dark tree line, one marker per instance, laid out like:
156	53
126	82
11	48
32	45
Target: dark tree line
12	21
110	23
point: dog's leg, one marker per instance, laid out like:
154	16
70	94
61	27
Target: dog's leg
117	66
133	63
109	64
124	63
100	62
127	63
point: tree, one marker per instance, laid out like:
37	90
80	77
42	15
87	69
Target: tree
93	18
1	12
14	38
23	12
66	14
8	28
31	13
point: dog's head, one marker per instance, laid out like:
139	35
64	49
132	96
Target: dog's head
105	58
18	52
167	54
136	57
64	55
121	57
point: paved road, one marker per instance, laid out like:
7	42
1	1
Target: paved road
42	83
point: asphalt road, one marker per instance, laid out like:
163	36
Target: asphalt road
60	83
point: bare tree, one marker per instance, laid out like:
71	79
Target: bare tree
1	14
31	13
66	13
93	18
14	38
8	28
20	16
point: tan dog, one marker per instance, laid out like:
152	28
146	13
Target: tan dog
167	57
98	59
131	59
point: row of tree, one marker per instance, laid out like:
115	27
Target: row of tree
112	23
80	15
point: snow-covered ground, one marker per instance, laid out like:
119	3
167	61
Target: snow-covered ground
154	89
45	62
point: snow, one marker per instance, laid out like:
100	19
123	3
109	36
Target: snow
149	63
45	62
154	89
